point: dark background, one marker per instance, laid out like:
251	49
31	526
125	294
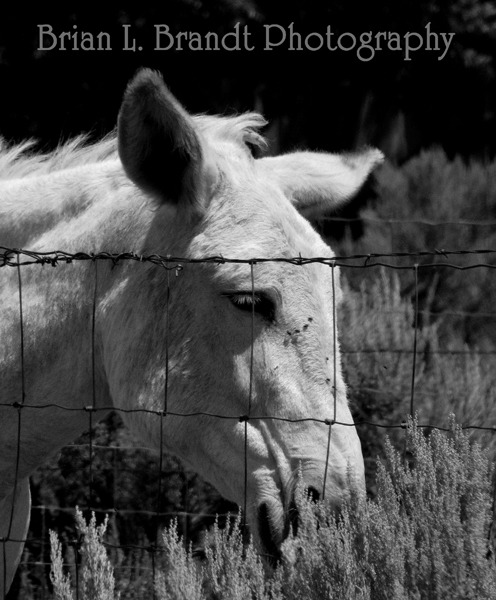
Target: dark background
322	100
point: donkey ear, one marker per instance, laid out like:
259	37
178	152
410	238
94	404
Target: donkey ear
318	183
159	146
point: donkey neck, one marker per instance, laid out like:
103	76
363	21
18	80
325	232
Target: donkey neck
85	209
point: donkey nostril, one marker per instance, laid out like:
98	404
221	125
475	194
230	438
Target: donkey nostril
313	494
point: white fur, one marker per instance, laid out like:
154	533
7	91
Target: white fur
80	199
319	183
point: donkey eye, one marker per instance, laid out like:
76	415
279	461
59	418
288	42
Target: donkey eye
258	302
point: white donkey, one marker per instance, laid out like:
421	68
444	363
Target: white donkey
188	187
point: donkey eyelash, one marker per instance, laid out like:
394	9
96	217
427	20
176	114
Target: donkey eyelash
245	298
257	302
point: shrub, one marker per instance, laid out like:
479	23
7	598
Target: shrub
181	576
425	536
97	579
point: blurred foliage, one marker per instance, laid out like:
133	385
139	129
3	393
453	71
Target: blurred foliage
377	340
436	204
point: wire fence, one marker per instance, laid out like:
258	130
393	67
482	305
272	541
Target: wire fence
417	263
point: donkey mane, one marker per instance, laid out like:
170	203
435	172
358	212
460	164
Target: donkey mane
24	160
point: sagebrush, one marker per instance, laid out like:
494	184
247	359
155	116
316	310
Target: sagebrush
426	535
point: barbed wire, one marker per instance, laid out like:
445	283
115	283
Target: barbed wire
11	257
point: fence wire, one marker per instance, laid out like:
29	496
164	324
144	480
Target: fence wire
416	262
